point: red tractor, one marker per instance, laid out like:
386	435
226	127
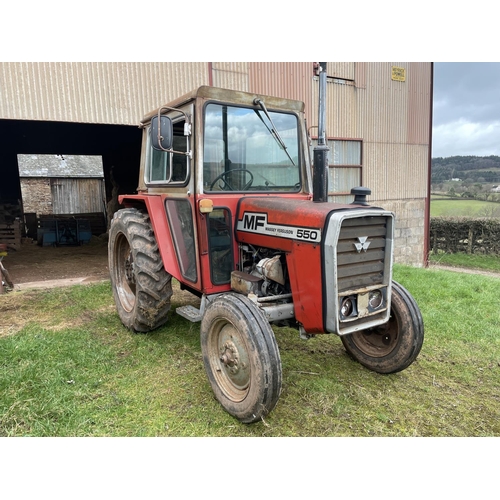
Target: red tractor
226	205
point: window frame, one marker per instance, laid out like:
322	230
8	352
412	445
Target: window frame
229	215
300	151
331	139
149	159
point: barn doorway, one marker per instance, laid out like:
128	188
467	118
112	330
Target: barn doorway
118	146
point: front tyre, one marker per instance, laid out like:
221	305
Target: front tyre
391	347
141	286
241	357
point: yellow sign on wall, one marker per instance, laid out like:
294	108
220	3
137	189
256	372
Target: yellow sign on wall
399	74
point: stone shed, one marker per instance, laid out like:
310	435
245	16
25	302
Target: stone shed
61	185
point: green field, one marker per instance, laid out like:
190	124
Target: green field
464	208
68	367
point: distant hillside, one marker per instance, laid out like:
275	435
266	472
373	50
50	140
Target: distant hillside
472	168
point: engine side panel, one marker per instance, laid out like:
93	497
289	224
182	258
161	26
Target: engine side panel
305	269
295	227
277	221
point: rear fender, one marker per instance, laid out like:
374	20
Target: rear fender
156	210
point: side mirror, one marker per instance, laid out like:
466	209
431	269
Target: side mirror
161	133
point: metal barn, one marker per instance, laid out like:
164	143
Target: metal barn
378	122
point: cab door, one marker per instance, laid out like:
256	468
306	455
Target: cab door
169	175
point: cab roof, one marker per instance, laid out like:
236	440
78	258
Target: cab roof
230	96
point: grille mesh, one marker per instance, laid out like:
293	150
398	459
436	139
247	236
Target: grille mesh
364	268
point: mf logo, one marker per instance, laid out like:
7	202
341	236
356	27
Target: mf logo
254	221
363	244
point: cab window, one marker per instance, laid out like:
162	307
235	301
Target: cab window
166	167
248	150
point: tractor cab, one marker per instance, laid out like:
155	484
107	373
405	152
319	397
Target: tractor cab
201	155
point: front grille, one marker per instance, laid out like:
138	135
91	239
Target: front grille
363	268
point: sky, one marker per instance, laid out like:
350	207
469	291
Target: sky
466	114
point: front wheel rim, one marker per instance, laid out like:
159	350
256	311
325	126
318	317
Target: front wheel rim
229	360
124	273
378	342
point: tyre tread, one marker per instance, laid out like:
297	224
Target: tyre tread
153	283
265	344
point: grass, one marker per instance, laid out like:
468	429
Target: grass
464	208
69	368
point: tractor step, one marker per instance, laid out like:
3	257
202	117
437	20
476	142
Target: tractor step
189	312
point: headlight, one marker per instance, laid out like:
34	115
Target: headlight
348	307
375	299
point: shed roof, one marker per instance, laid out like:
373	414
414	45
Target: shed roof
60	166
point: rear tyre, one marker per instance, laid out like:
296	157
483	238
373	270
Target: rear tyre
394	346
241	357
141	286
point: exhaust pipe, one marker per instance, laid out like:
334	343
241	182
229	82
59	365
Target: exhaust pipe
320	154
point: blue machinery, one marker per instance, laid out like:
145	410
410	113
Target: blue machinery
58	232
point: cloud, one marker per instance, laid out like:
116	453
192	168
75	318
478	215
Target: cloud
466	114
462	137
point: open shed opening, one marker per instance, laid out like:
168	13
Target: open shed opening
118	148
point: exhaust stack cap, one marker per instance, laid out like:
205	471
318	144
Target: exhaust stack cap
360	193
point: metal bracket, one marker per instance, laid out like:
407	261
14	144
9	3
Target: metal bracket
302	333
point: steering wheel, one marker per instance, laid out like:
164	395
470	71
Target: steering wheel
222	177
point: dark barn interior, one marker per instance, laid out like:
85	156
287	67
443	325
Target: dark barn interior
119	146
120	149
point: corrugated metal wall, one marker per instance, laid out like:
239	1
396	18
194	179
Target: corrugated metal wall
230	75
394	122
342	106
344	70
289	80
390	109
392	118
419	89
108	93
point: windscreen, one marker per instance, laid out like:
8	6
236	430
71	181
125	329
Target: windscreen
246	149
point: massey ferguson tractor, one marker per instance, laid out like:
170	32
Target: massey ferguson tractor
228	205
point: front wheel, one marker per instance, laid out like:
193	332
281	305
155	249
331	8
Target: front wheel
241	357
394	346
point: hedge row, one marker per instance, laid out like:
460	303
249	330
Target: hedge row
465	235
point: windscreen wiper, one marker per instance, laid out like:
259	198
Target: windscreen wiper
273	130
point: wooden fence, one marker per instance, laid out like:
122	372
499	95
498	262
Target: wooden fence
10	234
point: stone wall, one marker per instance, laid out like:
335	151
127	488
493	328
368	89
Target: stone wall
37	195
465	235
409	234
